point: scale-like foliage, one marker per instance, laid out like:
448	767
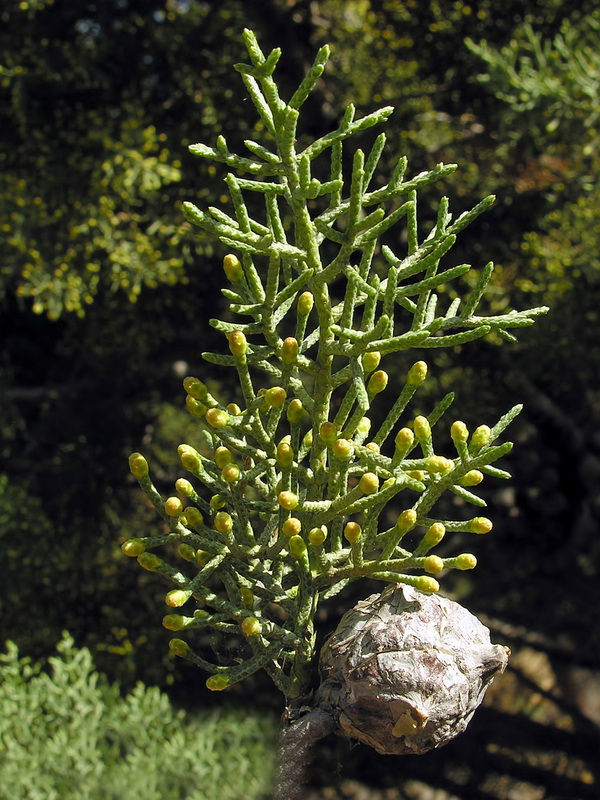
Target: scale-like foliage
289	499
67	734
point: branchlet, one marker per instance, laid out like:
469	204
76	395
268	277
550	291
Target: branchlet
288	505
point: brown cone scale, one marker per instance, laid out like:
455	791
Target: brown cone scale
405	671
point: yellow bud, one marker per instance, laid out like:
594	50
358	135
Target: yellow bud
184	487
377	382
223	522
433	564
328	432
247	596
195	388
480	525
285	454
231	473
342	449
406	521
133	547
173	506
472	478
305	303
465	561
369	483
364	426
427	584
352	532
288	500
297	546
186	552
232	268
459	431
177	597
217	683
481	438
317	536
138	466
295	410
370	361
216	502
202	559
417	474
417	374
234	409
422	428
237	344
275	396
149	561
438	464
178	647
251	626
404	439
217	418
173	622
191	516
195	407
189	458
434	534
289	350
373	447
291	527
223	457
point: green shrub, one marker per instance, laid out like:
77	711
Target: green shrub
70	734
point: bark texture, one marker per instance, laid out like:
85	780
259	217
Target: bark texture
294	752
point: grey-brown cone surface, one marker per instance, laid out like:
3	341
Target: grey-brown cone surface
405	671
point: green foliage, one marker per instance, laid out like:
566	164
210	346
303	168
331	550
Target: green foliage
67	734
94	107
33	567
413	54
507	110
97	77
89	186
295	489
550	86
563	253
70	389
111	240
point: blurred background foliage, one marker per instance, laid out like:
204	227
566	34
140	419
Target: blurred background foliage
68	733
105	293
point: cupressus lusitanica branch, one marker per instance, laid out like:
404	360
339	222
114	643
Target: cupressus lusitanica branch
289	487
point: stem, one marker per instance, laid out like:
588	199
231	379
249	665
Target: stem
294	751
